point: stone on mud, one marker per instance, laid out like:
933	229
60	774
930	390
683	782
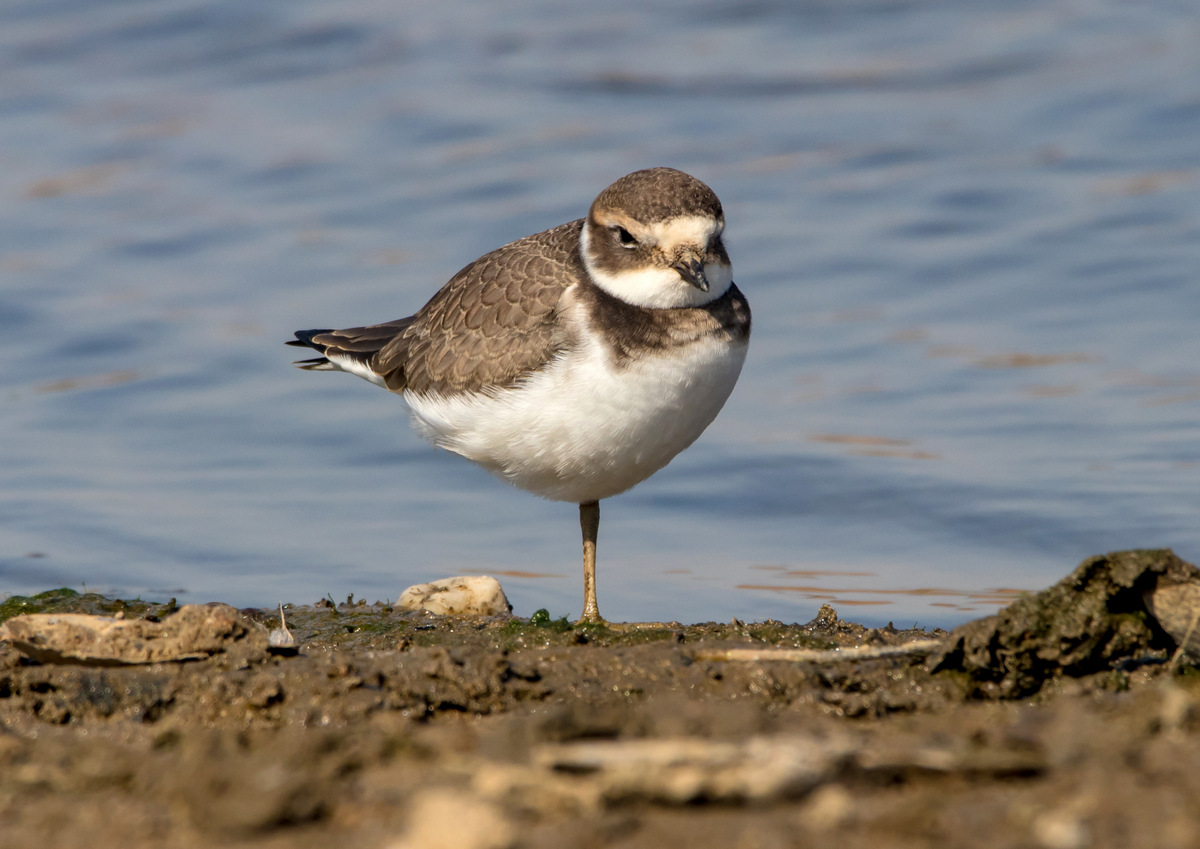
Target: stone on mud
1113	609
194	632
472	595
448	819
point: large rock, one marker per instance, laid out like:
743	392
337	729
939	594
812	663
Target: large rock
1113	609
194	632
472	595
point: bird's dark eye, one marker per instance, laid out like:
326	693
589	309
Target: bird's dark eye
624	237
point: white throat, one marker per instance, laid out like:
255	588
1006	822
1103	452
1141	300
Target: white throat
659	287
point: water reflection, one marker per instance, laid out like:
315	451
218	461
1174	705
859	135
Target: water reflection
966	601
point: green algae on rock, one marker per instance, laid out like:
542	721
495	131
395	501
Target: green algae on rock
65	600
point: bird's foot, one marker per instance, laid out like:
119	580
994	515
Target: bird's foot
591	616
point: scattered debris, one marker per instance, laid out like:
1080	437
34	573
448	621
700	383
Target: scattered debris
408	729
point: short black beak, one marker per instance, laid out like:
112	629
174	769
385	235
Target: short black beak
691	269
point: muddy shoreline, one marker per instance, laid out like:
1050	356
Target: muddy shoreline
1072	719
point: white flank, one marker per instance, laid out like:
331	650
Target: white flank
353	366
580	429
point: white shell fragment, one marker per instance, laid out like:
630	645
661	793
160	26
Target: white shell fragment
1176	606
471	595
281	637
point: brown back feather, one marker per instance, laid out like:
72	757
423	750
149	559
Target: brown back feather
492	323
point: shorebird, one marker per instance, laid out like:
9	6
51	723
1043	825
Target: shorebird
576	362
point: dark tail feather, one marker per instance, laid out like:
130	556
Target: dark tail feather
304	339
360	344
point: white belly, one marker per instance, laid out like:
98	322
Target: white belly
581	430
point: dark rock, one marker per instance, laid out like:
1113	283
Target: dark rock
1090	622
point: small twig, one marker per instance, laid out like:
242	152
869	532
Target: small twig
916	647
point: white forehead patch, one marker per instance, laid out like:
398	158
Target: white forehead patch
685	230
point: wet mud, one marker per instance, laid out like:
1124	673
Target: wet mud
1070	719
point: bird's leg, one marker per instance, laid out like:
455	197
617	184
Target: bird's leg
589	522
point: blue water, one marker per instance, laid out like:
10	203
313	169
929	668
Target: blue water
970	235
